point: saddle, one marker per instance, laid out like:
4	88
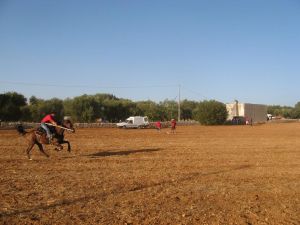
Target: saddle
40	131
41	135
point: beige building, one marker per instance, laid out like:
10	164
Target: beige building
256	112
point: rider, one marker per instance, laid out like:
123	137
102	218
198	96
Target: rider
50	118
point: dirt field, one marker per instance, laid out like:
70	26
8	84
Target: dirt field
201	175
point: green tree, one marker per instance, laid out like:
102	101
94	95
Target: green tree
26	113
11	104
150	109
282	111
83	109
168	109
187	108
68	107
295	112
35	108
54	105
38	108
210	113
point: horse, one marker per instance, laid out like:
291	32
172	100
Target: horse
38	137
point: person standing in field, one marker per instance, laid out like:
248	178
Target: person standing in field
247	121
173	126
158	126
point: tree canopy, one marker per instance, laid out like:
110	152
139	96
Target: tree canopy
210	112
109	108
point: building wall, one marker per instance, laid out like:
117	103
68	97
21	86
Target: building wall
234	109
231	110
257	112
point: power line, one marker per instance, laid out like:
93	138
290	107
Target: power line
194	92
105	87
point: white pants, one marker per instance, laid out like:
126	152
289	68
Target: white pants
45	127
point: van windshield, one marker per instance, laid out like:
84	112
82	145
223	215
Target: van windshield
129	121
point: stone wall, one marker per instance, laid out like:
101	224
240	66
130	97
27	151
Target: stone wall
12	125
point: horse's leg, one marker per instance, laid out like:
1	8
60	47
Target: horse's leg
69	145
29	148
42	149
58	147
57	144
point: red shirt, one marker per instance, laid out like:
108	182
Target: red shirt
48	118
173	123
158	124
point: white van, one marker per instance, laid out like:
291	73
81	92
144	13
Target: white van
134	122
269	116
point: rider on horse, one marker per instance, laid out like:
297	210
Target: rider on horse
50	118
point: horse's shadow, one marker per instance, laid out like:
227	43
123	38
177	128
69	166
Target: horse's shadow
122	153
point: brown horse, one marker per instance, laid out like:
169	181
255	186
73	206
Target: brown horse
39	137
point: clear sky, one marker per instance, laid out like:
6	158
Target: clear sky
140	50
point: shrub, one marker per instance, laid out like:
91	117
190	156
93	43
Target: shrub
210	113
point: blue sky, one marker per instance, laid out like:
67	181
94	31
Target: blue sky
140	50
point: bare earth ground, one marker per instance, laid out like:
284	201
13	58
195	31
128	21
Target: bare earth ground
201	175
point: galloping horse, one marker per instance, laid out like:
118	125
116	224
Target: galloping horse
39	137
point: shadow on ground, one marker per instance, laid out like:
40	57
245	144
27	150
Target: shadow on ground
122	153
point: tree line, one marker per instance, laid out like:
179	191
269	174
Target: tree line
285	111
109	108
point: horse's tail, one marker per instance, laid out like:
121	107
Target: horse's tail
21	129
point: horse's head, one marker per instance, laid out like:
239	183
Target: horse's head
68	124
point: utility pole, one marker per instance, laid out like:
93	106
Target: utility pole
179	102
